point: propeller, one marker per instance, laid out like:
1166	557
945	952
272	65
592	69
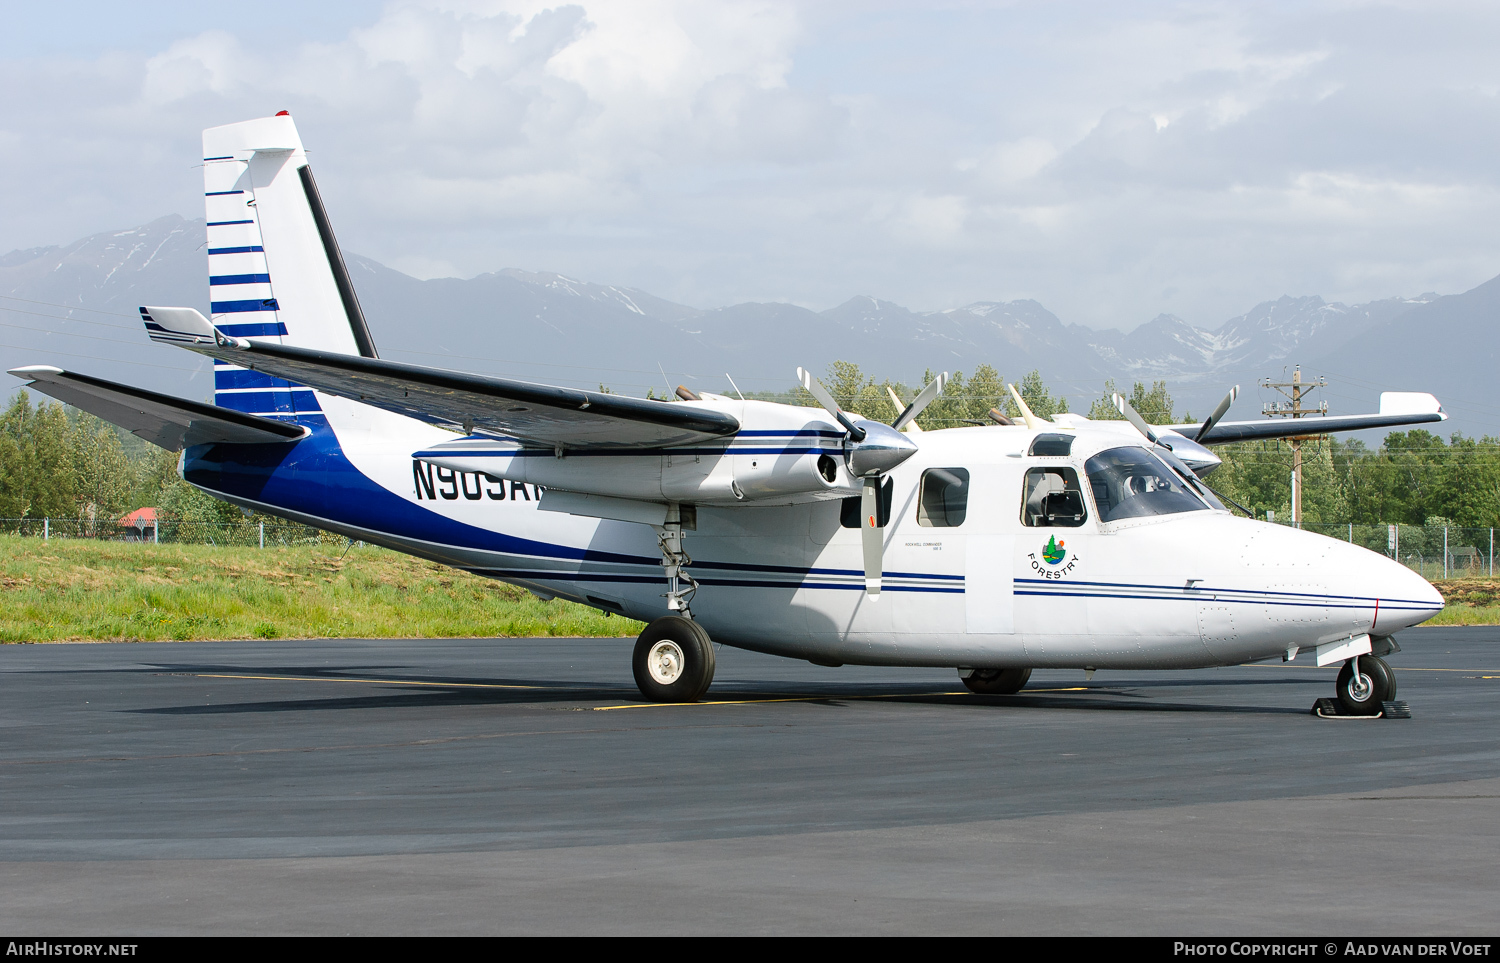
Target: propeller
1218	414
912	428
870	450
1134	417
1190	451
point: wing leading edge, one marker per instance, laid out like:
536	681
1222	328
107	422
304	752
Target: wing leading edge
1397	408
534	414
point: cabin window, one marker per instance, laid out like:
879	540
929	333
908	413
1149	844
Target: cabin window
945	497
1052	499
1134	483
1051	444
849	507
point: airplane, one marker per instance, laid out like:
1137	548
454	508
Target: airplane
810	533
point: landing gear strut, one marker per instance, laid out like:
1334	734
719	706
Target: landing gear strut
997	681
1364	683
681	586
673	660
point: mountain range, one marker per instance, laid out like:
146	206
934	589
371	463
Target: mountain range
74	306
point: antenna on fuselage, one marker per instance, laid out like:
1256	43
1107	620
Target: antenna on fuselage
1032	421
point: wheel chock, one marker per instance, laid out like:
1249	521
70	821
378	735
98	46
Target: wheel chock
1332	709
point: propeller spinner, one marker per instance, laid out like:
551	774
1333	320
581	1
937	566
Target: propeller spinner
870	450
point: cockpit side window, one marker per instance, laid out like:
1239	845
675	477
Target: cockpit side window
1133	483
944	501
1051	498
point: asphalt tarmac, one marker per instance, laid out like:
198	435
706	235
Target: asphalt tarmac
519	786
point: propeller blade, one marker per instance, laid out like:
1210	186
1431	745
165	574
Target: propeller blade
871	534
928	395
1218	414
999	417
1032	421
1134	417
826	400
911	429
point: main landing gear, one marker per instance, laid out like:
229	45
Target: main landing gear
673	660
674	657
996	681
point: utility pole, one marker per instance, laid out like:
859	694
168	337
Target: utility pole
1294	390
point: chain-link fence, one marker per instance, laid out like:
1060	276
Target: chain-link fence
1433	551
247	533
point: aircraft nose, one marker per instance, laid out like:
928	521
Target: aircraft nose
1406	598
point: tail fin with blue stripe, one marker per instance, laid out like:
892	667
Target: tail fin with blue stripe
275	269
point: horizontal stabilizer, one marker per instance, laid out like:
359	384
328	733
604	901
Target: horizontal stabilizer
534	414
179	326
1397	409
171	423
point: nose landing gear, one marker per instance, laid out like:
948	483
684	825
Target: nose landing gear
1366	688
1364	683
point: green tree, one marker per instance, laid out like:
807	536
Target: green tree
38	479
105	480
1154	404
1034	392
1104	408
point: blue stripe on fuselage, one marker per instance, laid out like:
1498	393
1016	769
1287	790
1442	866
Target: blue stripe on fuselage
313	477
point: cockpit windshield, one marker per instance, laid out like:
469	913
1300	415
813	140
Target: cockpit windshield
1192	480
1133	483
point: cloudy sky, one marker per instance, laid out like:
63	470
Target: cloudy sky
1111	160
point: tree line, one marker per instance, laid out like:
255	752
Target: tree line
62	463
1414	478
59	462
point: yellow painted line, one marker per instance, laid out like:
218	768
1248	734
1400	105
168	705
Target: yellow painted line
722	702
642	705
1403	668
813	698
314	678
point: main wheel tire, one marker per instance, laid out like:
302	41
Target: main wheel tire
1363	693
997	681
673	660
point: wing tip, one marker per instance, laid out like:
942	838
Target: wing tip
31	372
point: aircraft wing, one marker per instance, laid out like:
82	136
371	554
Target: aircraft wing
1397	408
171	423
534	414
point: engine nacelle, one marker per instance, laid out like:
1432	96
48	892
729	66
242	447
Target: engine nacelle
781	455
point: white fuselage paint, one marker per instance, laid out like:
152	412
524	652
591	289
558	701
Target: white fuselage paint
1198	588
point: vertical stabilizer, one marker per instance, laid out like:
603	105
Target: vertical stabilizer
275	269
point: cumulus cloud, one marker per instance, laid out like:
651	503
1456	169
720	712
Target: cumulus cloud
1112	162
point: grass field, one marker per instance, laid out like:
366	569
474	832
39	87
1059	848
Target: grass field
80	590
76	590
1470	601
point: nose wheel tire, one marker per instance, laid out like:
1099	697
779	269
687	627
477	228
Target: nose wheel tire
997	681
673	660
1362	690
